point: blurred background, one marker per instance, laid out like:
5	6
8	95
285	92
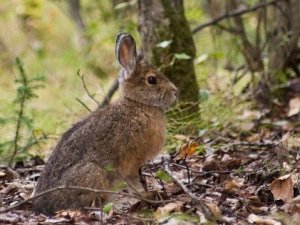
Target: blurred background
245	63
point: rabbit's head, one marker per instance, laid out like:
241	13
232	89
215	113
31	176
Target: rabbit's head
140	82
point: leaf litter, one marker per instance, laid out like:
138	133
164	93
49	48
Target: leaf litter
247	177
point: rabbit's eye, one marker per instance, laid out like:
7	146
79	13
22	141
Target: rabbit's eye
151	80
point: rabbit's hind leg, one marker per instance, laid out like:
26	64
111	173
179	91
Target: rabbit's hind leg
85	175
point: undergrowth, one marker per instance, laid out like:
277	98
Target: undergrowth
25	135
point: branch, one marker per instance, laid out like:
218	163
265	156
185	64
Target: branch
96	191
110	93
85	87
202	172
235	13
206	211
83	104
215	21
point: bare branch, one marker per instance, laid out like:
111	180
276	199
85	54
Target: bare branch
96	191
207	212
85	87
110	93
235	13
83	104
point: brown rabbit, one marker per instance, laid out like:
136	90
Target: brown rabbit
123	136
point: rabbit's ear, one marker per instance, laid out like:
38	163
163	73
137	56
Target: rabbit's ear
126	53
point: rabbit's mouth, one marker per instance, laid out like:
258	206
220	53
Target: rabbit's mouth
173	99
170	99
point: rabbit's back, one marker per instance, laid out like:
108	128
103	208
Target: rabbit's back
122	136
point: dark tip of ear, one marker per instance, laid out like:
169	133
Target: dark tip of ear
120	37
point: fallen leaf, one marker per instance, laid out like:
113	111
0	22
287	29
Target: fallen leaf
9	218
291	142
250	115
188	149
163	175
215	210
106	209
282	188
263	220
2	174
232	185
180	137
57	221
164	211
294	105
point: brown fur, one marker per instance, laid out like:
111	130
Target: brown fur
123	135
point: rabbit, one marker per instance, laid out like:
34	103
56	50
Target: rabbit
121	136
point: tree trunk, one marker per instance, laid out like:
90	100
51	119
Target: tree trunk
284	37
164	20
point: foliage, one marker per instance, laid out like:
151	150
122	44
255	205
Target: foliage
46	36
25	136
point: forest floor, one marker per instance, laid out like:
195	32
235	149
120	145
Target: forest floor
236	178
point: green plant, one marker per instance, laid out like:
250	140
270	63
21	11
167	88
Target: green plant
25	136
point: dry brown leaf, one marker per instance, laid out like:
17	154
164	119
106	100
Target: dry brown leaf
2	174
232	185
215	210
188	149
291	142
294	105
11	218
180	137
250	115
282	188
262	220
164	211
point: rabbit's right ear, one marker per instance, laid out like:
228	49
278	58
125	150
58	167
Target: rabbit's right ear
126	53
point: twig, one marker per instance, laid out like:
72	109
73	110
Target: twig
85	87
83	104
235	13
206	211
258	144
202	172
129	184
96	191
187	168
110	93
215	21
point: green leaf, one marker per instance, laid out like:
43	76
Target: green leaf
119	186
27	121
202	58
107	207
163	175
164	44
181	56
108	168
204	95
123	5
2	121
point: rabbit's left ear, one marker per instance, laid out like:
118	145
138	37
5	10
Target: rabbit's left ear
126	53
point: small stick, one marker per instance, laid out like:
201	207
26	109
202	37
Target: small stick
235	13
83	104
85	87
97	191
202	172
110	93
207	212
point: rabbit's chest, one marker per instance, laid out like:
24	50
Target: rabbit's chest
147	139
